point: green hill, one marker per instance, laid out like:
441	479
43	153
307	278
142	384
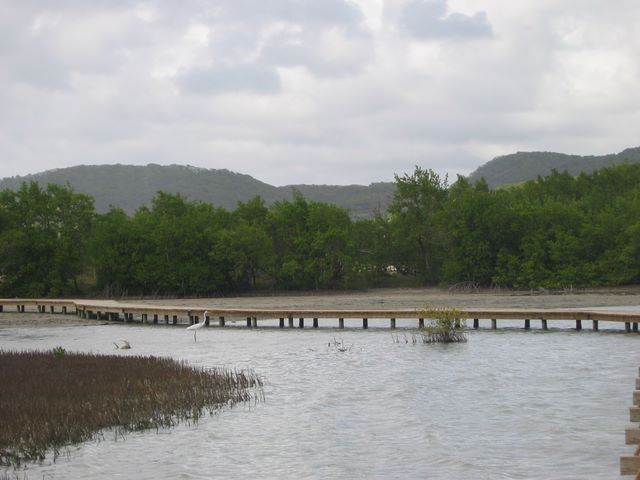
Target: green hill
129	187
523	166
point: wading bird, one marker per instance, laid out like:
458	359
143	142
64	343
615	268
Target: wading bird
197	326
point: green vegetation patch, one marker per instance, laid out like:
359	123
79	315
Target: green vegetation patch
50	400
445	326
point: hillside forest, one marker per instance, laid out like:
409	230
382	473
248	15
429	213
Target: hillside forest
555	232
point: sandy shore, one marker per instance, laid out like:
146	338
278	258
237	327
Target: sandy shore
370	299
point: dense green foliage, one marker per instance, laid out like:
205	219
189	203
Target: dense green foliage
555	232
43	237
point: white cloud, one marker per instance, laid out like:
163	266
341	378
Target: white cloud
291	91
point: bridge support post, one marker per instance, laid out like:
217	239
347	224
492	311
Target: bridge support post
341	323
281	322
634	326
365	323
254	322
290	322
421	323
166	319
544	323
578	325
248	322
174	319
207	320
595	325
527	324
392	323
155	318
476	323
221	321
315	323
627	327
301	323
494	324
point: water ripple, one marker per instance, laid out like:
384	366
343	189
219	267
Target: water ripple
506	405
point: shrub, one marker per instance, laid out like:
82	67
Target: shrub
445	326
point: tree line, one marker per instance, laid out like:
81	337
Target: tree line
555	232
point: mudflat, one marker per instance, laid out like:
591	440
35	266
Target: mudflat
421	298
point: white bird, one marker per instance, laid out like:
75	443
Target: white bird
197	326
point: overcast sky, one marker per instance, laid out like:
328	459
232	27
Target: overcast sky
314	91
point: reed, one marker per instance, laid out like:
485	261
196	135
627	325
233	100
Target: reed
51	400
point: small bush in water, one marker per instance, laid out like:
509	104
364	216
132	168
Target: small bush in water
445	326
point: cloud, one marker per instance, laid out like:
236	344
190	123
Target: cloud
314	14
248	78
326	53
332	91
429	19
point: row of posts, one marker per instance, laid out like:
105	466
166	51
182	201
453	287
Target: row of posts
630	464
628	326
253	321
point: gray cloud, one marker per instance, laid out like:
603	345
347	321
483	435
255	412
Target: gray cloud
322	53
429	19
303	12
249	78
293	91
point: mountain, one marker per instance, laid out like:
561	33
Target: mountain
523	166
129	187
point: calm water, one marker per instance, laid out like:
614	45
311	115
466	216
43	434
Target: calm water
508	404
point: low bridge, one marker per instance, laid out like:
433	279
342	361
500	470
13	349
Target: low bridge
216	316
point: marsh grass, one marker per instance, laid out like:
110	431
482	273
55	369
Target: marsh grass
445	326
49	402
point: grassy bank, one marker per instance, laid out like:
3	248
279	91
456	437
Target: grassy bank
50	400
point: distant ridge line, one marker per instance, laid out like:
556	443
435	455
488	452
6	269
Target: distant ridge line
523	166
131	186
